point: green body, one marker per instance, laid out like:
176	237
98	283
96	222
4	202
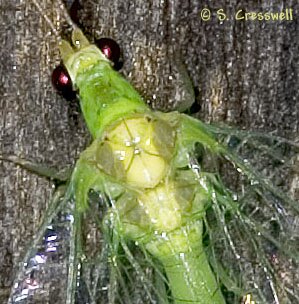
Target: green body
140	158
158	197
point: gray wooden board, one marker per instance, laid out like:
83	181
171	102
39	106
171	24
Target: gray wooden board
244	73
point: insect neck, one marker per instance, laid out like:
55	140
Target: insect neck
105	96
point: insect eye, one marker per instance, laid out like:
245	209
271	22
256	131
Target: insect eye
109	48
62	82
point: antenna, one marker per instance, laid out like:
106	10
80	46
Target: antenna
66	17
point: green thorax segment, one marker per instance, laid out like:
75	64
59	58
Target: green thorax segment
137	150
105	95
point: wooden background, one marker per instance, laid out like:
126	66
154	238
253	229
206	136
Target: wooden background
244	73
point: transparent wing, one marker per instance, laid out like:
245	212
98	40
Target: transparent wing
86	260
252	222
117	270
251	236
47	274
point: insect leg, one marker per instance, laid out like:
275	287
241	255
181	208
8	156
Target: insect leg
41	170
187	96
194	131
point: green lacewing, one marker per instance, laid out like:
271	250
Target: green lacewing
171	229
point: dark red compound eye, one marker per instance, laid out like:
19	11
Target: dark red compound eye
62	82
109	48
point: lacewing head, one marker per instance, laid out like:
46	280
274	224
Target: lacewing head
78	56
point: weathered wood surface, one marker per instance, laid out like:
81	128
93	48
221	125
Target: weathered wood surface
243	72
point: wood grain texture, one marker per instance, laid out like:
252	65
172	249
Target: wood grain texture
243	72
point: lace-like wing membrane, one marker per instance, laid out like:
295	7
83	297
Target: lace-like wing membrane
106	271
251	238
116	270
43	274
252	223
